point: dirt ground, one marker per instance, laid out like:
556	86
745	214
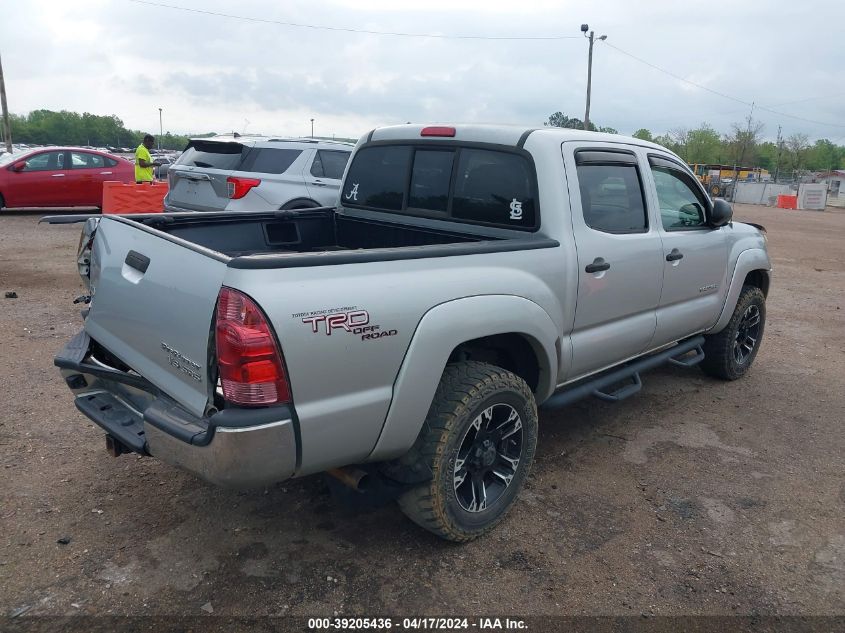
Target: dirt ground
693	497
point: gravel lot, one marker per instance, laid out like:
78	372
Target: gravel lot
693	497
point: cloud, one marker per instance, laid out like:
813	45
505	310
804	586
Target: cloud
216	73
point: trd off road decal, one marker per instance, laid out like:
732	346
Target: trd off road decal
347	319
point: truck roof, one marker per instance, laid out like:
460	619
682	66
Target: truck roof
502	134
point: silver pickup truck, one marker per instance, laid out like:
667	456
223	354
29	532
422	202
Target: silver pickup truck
405	338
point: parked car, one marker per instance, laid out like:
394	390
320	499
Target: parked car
470	274
59	177
256	174
163	164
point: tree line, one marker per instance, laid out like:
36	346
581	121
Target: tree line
46	127
743	145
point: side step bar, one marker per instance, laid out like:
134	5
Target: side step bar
597	386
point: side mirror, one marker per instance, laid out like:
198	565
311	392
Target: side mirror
721	214
19	166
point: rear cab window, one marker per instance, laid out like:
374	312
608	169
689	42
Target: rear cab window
474	185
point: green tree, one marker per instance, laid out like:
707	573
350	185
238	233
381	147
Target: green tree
46	127
796	151
559	119
643	134
824	156
703	145
742	142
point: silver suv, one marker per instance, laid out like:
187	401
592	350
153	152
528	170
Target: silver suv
238	173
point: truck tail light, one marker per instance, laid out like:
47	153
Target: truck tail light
250	363
437	130
237	187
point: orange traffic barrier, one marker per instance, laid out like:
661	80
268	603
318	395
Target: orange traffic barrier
787	202
119	197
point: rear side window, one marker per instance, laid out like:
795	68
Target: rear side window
111	162
494	187
269	160
612	198
84	160
378	178
449	182
212	155
329	164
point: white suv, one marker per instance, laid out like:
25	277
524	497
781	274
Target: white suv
238	173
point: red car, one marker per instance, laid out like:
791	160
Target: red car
59	177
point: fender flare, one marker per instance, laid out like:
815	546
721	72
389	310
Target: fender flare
748	260
438	333
299	203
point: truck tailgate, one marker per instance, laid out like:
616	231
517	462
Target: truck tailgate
152	307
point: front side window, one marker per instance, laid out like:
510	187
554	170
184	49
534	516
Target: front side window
46	161
612	198
681	204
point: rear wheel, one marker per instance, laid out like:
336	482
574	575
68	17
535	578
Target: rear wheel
478	442
2	201
729	354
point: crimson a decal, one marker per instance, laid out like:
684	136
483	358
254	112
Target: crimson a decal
356	322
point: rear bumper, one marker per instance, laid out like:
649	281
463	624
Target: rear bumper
235	448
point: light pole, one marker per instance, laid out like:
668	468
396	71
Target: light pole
312	128
7	128
591	37
160	129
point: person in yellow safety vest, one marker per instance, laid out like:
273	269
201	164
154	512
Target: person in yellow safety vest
144	163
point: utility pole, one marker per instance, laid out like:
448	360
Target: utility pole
7	127
160	129
312	128
777	159
591	37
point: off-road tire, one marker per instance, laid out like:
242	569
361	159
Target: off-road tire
719	358
465	391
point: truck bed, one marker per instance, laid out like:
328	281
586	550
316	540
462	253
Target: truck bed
305	231
316	237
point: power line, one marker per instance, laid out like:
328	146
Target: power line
831	96
318	27
716	92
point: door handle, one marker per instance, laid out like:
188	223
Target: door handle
674	255
597	266
57	175
318	183
105	173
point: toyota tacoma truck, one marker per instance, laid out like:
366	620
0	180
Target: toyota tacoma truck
467	275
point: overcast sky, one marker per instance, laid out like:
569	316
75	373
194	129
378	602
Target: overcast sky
213	73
